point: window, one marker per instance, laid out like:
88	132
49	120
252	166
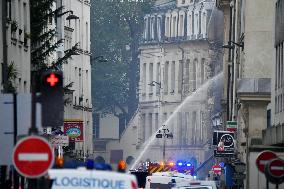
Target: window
168	27
202	70
174	34
173	77
159	31
181	25
143	127
194	74
186	76
144	79
166	78
151	78
156	122
158	75
87	37
189	24
194	126
150	123
180	68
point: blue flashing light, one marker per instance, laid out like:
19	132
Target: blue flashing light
90	164
188	164
222	164
179	163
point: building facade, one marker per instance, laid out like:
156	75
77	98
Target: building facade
74	27
248	45
179	55
15	44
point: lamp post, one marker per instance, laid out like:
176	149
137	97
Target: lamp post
163	133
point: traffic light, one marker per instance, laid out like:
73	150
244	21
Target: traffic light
51	88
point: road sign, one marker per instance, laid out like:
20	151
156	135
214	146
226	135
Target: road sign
276	168
263	158
231	126
217	169
59	140
33	156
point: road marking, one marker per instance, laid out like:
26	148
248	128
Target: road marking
33	157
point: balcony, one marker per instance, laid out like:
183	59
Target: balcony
273	135
222	3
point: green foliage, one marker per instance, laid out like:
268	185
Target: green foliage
115	25
43	41
11	75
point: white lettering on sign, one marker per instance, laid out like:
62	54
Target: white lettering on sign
276	168
263	162
69	182
217	169
33	157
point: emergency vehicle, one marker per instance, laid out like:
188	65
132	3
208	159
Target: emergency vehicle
82	178
196	184
166	180
89	175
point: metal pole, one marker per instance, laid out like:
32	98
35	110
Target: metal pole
33	129
15	173
267	184
164	147
277	186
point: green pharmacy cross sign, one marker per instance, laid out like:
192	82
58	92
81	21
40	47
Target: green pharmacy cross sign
232	126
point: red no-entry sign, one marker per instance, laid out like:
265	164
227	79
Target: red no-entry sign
263	158
33	156
276	168
217	169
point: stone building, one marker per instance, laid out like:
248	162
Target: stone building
74	27
179	54
15	43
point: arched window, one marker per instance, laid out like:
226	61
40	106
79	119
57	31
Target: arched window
189	23
159	27
204	24
181	24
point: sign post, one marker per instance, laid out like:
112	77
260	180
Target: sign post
33	156
262	160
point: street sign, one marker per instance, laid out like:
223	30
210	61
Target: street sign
231	126
276	168
59	140
217	169
33	156
263	158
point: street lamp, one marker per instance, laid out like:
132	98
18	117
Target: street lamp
164	133
231	44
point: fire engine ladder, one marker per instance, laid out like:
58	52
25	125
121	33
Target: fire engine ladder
204	163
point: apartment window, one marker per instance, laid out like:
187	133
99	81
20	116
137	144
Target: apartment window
194	74
150	125
181	25
281	55
166	78
144	79
204	24
180	69
153	28
186	76
167	27
194	126
189	24
143	127
276	67
276	105
196	22
180	129
87	37
173	77
202	70
174	27
145	28
151	77
185	128
280	104
159	30
158	75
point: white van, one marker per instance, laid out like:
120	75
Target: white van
82	178
196	184
166	180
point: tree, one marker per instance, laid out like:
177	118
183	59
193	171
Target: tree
116	31
43	39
